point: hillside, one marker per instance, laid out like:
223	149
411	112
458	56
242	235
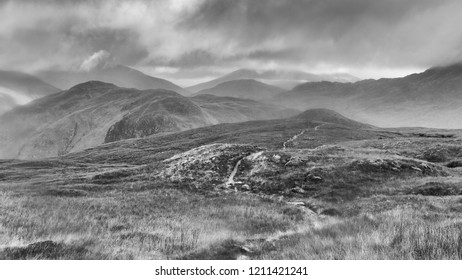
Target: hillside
313	127
250	89
274	189
93	113
282	79
19	88
430	99
230	109
119	75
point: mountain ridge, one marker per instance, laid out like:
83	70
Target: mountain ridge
247	88
284	79
94	112
429	99
120	75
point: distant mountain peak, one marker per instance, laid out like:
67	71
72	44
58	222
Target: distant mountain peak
286	79
93	85
243	88
117	74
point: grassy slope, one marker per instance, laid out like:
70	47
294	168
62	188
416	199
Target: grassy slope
110	202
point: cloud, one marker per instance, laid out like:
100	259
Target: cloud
97	60
365	37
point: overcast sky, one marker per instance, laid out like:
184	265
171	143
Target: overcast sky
182	39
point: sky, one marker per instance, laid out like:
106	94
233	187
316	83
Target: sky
192	40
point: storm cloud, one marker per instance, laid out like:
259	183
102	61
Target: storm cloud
368	38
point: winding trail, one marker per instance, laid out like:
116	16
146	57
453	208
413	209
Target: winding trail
317	127
248	245
284	145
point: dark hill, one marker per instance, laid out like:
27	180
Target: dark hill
329	116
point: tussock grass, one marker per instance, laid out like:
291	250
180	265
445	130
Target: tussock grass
398	234
156	224
367	199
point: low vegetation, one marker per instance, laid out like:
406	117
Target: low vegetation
367	194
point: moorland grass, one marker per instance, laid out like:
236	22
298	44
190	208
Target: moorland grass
160	223
402	234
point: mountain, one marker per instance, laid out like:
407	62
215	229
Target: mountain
314	128
93	113
119	75
283	79
430	99
19	88
250	89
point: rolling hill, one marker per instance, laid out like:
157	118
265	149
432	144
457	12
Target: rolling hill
430	99
249	89
231	109
282	79
119	75
19	88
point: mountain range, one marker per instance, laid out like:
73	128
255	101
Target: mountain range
314	127
119	75
279	78
94	113
431	99
243	89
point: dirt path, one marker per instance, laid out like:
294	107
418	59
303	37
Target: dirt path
250	247
284	145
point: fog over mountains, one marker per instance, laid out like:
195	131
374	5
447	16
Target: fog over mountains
109	80
19	88
280	78
430	99
94	113
244	89
120	75
231	130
